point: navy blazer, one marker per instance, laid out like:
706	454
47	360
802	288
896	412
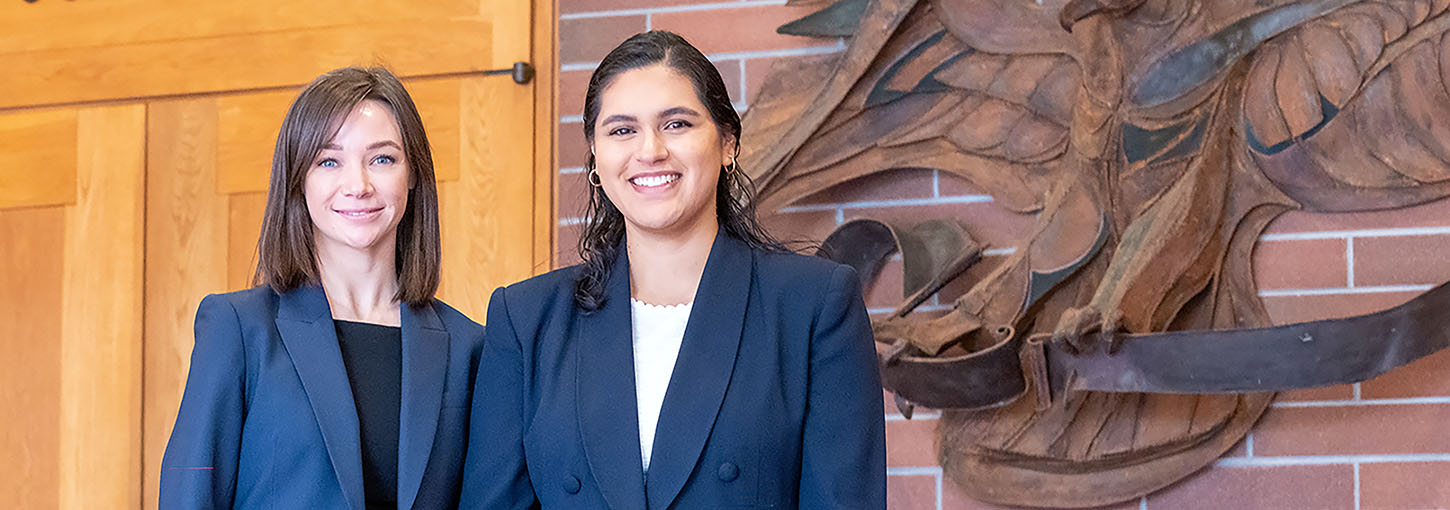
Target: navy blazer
268	421
774	402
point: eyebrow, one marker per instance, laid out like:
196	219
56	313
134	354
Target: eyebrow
374	145
678	110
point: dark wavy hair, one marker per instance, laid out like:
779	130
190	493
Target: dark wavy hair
286	258
734	193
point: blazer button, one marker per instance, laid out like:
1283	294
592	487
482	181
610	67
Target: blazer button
727	472
570	485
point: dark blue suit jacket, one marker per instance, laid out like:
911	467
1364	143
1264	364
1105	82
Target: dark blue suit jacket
268	421
774	402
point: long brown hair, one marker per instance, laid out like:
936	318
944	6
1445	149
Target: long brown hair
286	259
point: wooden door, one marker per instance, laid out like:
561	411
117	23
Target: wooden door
140	136
71	202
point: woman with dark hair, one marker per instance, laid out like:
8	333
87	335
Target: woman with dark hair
339	381
690	361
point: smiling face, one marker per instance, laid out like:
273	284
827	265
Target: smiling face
357	186
658	153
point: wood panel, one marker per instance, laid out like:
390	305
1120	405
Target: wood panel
186	258
244	227
26	27
241	62
30	273
100	420
487	215
40	163
247	127
545	56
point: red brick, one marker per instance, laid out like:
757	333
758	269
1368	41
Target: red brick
590	39
804	229
1428	215
952	498
577	6
911	443
1404	485
573	195
1406	260
567	242
1427	377
1306	264
1336	392
889	185
885	290
1266	488
989	225
1290	309
573	149
572	87
1353	430
1241	449
729	30
911	492
730	74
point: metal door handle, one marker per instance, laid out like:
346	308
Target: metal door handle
522	72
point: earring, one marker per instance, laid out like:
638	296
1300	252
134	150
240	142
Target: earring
593	178
733	168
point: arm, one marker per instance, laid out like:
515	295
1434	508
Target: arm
199	468
843	451
495	473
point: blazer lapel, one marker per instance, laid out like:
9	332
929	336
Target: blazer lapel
605	403
425	359
305	323
702	371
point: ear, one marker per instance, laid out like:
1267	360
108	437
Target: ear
728	149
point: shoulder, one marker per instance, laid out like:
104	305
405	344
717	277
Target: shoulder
454	320
794	270
254	302
541	291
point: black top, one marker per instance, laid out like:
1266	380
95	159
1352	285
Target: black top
373	356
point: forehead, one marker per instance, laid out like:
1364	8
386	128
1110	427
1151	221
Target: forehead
369	117
648	90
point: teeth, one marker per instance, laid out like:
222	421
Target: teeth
654	180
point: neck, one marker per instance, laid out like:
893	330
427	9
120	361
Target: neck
665	269
360	285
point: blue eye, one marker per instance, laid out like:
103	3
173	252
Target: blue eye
384	160
327	163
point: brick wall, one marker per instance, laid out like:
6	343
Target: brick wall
1382	444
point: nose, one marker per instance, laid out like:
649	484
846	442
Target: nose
356	182
652	148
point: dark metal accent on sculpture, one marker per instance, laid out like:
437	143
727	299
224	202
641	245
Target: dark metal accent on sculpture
1154	139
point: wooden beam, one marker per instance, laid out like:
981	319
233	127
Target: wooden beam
241	62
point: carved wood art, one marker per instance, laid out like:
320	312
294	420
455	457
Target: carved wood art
1154	139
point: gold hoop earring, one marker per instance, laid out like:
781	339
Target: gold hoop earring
593	178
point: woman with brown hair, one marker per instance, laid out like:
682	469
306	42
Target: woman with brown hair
690	361
339	381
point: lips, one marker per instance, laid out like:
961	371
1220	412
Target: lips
654	179
359	212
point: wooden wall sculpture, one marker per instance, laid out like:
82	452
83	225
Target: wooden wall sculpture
1155	139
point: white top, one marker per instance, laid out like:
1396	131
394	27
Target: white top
658	333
